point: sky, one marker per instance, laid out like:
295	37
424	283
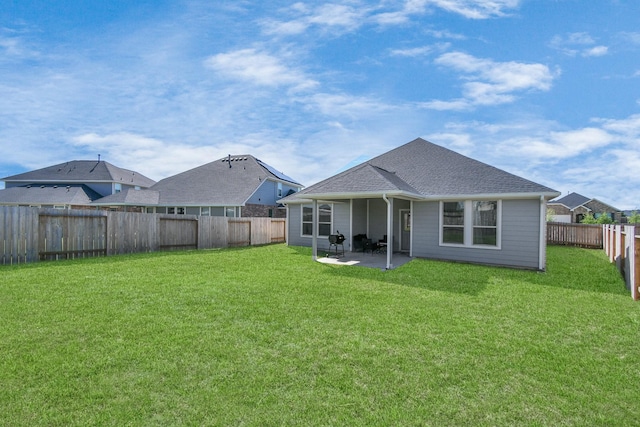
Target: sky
546	89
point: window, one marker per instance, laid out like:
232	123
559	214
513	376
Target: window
117	187
217	211
470	223
453	222
279	189
485	223
230	212
324	220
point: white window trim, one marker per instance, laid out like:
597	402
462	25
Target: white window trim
468	227
309	236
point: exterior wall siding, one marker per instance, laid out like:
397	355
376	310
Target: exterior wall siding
341	215
267	193
377	219
341	222
359	217
294	222
520	236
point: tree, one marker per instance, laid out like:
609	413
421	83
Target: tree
634	218
604	219
551	215
589	219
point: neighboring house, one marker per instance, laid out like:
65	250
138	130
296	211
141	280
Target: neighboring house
234	186
573	207
429	202
75	184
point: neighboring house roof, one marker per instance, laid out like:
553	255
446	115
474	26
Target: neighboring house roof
571	200
423	170
229	181
130	197
575	200
48	195
82	171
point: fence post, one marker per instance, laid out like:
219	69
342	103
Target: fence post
633	262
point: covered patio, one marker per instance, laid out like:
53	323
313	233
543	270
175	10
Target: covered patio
365	259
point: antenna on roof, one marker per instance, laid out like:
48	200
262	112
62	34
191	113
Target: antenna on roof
229	160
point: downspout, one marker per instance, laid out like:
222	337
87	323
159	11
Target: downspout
389	231
542	255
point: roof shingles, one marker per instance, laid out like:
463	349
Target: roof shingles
427	170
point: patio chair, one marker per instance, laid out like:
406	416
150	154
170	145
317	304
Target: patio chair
368	245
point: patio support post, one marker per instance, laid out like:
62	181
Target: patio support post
389	202
314	230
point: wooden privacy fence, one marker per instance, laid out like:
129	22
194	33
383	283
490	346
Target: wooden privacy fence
34	234
623	247
583	235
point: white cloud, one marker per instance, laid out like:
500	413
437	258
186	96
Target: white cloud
419	51
630	37
490	82
259	68
477	9
580	43
348	16
346	106
596	51
627	130
331	16
152	157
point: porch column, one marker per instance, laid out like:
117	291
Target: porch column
314	230
389	202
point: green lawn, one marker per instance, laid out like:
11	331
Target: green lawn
264	336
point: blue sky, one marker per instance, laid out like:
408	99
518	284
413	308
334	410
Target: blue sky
546	89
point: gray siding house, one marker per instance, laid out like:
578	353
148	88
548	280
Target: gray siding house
233	186
429	202
74	184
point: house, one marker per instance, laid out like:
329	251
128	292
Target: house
573	207
75	184
233	186
429	202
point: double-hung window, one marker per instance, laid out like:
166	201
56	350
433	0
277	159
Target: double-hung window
471	223
324	220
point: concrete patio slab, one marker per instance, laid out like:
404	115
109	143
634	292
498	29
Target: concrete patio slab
375	260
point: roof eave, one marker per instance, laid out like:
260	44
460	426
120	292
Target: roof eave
502	196
411	196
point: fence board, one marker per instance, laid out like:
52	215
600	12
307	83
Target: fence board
18	235
239	233
583	235
178	232
65	234
622	247
30	234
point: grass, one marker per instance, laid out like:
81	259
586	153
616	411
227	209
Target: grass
264	336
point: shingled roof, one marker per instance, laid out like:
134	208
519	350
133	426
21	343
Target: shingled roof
229	181
48	195
423	170
572	200
82	171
